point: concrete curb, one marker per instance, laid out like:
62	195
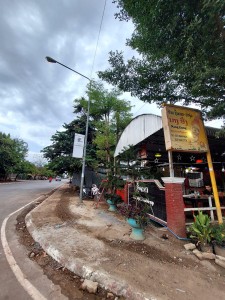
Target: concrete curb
79	266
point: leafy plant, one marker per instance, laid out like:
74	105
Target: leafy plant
129	211
201	229
137	212
174	45
112	183
218	234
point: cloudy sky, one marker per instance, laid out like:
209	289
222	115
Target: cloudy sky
36	96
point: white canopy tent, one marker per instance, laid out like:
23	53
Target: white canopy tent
137	130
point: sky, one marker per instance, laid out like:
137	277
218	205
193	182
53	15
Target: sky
37	96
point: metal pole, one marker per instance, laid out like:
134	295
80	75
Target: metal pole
84	152
170	156
52	60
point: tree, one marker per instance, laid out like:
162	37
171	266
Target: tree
182	46
12	153
109	115
59	153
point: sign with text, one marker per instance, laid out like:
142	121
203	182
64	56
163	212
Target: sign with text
184	129
78	145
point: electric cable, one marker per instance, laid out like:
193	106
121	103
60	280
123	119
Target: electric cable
99	32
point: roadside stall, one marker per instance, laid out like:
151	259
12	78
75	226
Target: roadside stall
145	133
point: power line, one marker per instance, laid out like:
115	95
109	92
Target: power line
100	28
140	108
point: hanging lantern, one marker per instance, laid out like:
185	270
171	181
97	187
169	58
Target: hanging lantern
199	161
143	151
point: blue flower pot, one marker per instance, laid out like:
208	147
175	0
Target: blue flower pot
112	206
133	223
137	231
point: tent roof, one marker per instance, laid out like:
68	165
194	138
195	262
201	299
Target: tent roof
137	130
147	129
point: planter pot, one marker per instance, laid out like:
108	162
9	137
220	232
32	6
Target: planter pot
219	250
206	248
112	205
137	231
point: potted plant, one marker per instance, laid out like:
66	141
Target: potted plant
112	200
201	232
137	217
218	239
111	185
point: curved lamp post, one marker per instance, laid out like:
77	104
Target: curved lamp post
52	60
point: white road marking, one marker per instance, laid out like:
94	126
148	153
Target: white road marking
30	289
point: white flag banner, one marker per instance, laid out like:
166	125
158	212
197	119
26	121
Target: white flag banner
78	145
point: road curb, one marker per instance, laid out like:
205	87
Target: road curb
78	266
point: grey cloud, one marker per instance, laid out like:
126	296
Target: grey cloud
33	93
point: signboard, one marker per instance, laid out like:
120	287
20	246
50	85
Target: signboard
78	145
184	129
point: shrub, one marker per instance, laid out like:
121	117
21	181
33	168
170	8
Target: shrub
201	229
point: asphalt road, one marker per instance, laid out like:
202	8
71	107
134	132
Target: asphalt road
13	196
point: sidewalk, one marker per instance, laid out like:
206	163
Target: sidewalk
95	244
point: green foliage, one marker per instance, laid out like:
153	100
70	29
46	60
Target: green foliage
62	164
59	153
136	211
218	234
201	229
12	153
112	183
108	117
182	46
149	80
128	162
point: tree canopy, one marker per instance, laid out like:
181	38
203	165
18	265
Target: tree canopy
108	117
59	153
12	153
182	53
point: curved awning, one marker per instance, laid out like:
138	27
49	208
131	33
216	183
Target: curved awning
147	129
137	130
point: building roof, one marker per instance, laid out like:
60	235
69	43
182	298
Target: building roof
147	130
138	130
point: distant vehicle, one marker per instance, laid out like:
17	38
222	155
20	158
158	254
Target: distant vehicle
58	178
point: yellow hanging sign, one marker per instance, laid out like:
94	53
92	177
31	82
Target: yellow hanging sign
184	129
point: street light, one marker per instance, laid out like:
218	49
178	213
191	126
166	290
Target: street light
52	60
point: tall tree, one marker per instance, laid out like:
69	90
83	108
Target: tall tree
109	116
59	153
12	153
182	47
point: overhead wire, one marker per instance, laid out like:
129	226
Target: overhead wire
139	109
96	48
99	32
